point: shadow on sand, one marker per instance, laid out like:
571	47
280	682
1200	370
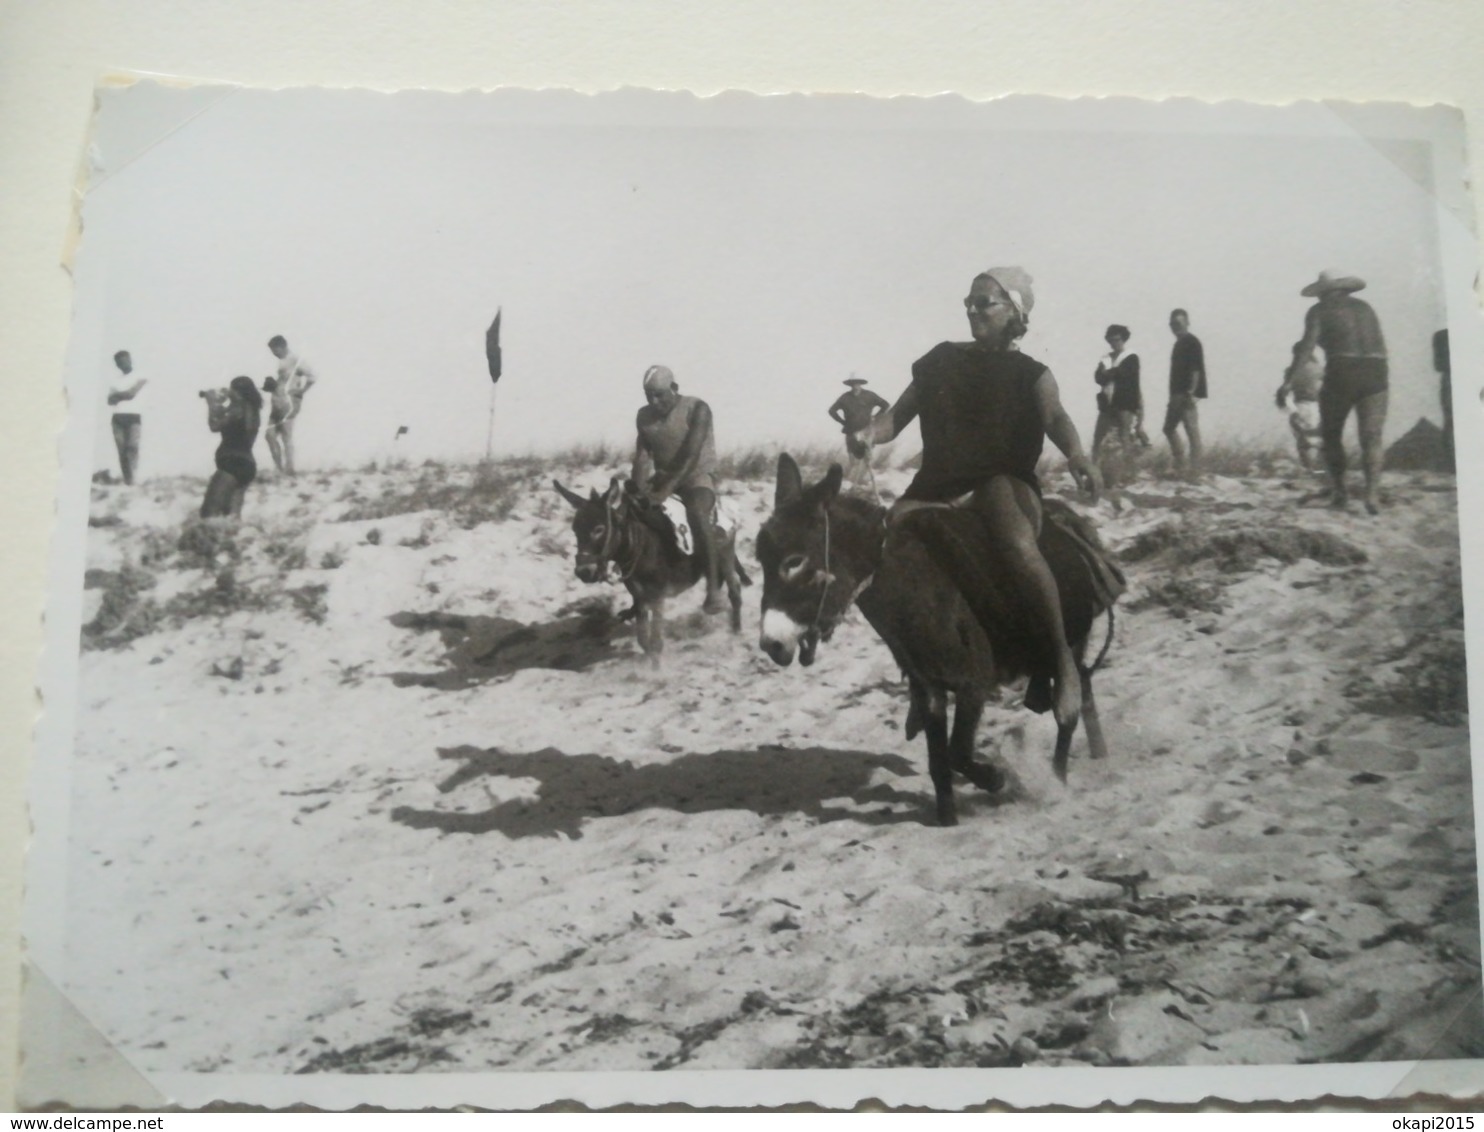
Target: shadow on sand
774	780
479	649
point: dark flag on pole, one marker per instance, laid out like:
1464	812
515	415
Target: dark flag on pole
492	347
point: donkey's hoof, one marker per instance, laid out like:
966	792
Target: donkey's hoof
988	778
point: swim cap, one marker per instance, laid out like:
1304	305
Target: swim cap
1017	284
658	377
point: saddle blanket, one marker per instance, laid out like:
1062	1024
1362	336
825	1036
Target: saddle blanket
726	519
680	524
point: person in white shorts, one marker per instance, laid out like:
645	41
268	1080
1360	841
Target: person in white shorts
1303	383
288	388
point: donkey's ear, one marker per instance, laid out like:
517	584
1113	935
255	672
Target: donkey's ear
615	492
823	493
569	495
790	482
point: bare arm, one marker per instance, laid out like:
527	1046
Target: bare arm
1063	433
127	394
1287	387
889	424
220	409
690	452
643	462
1304	351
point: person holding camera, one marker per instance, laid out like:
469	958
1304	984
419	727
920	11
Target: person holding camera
235	413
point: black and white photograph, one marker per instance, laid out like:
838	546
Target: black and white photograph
642	597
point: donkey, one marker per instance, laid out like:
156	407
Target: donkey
821	552
612	536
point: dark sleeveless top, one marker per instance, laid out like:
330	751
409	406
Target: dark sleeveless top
239	429
979	418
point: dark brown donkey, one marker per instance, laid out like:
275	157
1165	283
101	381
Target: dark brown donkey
821	551
614	541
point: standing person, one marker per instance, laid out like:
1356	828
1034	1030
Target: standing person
1355	377
1441	363
986	412
1304	383
293	381
1187	387
126	424
235	413
853	410
1120	401
675	454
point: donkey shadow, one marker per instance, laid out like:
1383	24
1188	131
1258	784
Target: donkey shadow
478	649
769	781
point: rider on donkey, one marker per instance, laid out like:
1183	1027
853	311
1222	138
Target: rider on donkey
986	410
676	455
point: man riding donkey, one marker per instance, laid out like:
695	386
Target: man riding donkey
986	410
675	455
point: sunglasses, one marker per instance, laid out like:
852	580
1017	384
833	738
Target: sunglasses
982	303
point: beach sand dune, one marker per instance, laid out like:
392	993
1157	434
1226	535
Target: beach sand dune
377	790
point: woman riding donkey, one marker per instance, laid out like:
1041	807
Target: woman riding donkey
986	410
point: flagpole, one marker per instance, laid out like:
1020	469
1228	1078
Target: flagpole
492	355
489	437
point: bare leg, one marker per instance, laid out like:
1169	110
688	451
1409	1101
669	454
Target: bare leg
1192	422
1177	447
219	492
1014	514
1334	407
701	502
287	428
1370	419
1301	441
275	444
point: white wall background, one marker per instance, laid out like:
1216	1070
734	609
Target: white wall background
52	53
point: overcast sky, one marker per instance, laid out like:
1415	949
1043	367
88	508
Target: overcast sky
764	255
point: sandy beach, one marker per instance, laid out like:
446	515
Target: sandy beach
364	788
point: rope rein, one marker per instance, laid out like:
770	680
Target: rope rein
609	552
829	578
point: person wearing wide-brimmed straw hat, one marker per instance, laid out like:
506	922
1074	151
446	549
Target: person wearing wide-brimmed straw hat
1355	376
853	410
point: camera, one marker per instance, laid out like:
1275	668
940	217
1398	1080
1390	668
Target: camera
214	396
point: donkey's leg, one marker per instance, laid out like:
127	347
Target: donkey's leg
1064	733
734	582
940	766
968	707
656	646
1096	748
